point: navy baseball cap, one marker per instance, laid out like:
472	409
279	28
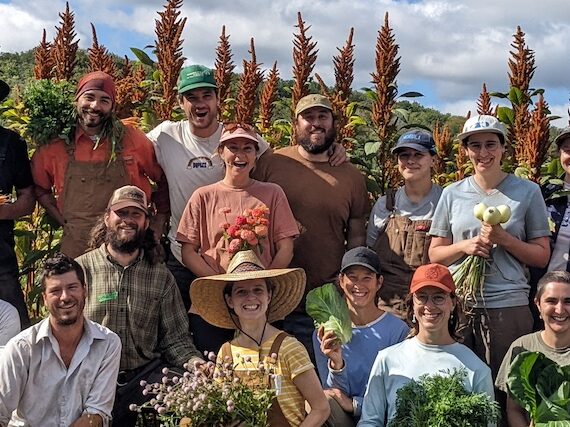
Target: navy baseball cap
416	139
361	256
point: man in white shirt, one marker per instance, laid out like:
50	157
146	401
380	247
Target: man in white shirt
63	370
9	322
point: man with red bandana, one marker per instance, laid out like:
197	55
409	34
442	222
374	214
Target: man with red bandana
75	180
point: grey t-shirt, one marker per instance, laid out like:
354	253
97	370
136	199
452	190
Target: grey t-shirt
530	342
403	206
506	284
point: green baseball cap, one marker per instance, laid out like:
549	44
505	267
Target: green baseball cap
194	77
310	101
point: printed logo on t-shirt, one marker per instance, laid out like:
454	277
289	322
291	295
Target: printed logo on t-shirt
200	163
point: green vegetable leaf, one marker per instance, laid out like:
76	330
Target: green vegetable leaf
328	308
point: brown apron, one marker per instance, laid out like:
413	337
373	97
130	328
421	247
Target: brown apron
275	416
87	188
402	247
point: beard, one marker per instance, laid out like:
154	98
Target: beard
92	122
304	140
126	245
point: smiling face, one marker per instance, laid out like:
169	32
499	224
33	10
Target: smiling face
564	152
126	228
93	110
201	108
315	130
414	165
249	299
485	151
64	296
432	308
238	155
554	308
360	286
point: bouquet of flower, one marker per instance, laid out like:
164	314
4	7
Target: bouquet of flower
248	230
213	395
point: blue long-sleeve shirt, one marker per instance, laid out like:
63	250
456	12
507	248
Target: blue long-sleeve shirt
359	355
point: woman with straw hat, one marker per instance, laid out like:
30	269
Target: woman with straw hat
247	298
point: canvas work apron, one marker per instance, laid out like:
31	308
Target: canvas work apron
402	247
87	188
275	416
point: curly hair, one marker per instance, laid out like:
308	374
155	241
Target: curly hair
153	251
58	264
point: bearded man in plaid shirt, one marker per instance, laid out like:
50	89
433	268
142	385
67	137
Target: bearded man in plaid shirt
131	292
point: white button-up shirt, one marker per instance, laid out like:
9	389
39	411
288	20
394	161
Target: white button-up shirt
36	384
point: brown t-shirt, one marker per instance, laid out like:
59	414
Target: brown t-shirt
201	221
323	199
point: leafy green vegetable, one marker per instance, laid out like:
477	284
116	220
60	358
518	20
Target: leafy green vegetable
328	309
50	108
442	401
542	388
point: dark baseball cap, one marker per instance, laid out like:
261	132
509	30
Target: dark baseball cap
361	256
560	138
416	139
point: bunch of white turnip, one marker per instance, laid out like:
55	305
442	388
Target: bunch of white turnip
470	275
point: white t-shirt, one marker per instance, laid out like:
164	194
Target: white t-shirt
189	162
9	322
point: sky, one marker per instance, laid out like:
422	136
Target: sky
448	48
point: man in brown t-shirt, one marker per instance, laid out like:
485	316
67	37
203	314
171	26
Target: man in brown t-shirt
331	203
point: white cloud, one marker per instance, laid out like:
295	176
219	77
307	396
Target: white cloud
450	46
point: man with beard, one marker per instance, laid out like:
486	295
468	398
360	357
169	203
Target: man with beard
331	203
61	371
186	151
132	293
75	179
15	174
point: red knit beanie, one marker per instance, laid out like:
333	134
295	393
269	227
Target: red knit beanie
97	80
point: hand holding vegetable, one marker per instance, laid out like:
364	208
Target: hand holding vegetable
478	245
328	309
331	348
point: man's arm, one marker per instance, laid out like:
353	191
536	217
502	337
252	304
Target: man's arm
355	233
24	204
14	363
47	200
99	402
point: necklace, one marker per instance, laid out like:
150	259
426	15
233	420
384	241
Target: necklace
253	339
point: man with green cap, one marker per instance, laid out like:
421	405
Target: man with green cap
331	203
15	174
185	151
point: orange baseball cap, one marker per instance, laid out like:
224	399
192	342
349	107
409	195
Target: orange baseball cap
432	275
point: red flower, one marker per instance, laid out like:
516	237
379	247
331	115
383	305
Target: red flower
233	231
241	220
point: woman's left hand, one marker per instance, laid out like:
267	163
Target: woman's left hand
342	399
494	233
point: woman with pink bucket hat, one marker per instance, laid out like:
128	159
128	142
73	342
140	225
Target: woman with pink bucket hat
500	313
233	214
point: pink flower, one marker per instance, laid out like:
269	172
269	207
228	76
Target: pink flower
263	221
261	230
241	220
260	211
223	211
225	226
247	235
233	231
247	212
235	245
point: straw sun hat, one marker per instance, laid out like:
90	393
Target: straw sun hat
207	293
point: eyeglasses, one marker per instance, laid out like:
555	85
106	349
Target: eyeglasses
232	127
489	146
437	299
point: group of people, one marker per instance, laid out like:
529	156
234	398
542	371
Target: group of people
122	306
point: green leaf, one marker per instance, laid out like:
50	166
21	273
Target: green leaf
142	56
516	96
506	115
411	95
371	147
328	308
499	95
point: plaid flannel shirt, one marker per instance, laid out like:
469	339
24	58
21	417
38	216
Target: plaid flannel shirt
142	305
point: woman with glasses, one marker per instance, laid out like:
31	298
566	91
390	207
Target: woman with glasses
432	309
500	312
214	209
399	222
